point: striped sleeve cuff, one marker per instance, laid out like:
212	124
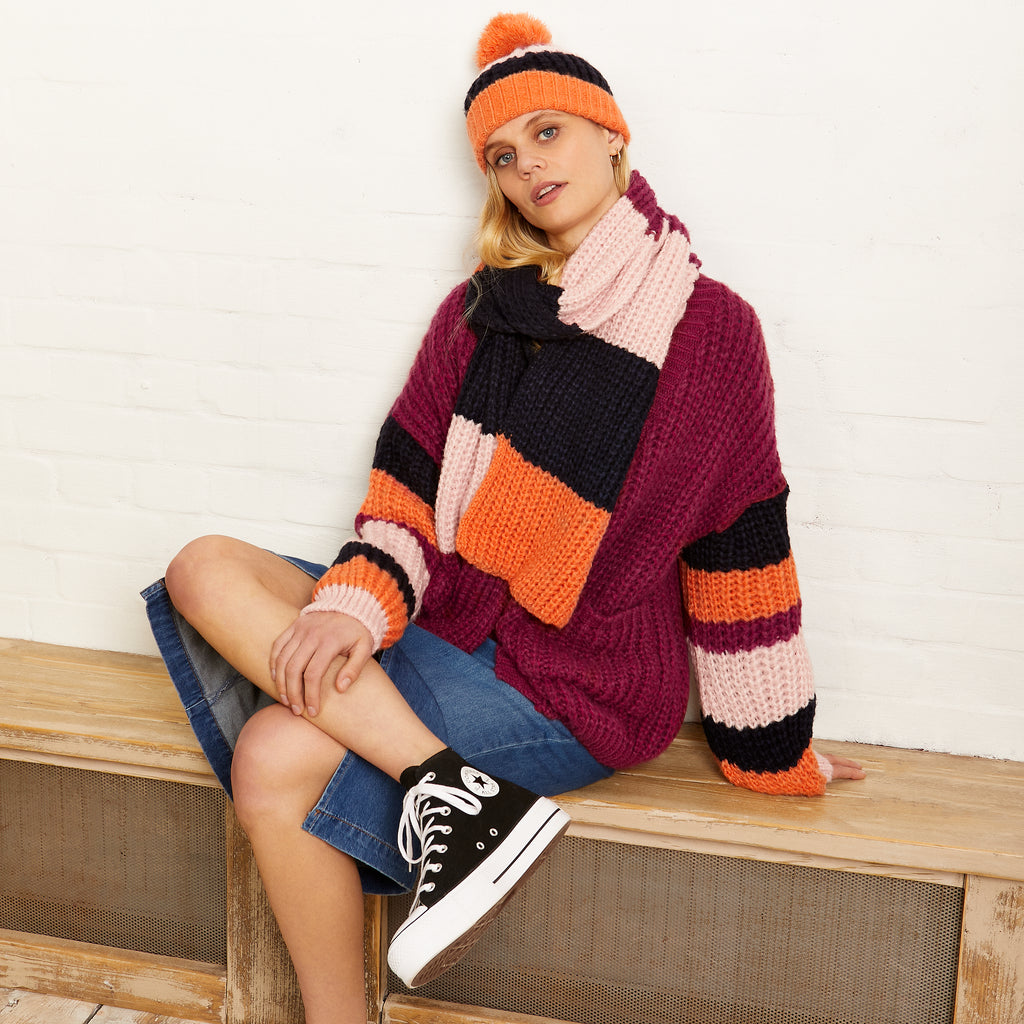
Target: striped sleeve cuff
371	586
350	600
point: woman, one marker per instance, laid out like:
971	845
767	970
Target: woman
579	474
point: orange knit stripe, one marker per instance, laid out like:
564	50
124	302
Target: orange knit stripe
522	93
387	499
805	779
545	563
361	572
741	595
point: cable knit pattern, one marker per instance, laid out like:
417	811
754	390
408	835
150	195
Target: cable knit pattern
590	503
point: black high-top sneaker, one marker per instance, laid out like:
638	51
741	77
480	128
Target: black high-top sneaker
478	838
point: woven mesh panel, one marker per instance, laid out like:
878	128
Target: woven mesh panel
133	863
605	933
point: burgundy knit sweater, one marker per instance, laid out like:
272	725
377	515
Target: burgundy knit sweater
694	549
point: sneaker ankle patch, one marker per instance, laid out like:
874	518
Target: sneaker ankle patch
478	783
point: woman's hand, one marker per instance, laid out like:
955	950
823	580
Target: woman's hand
302	654
844	768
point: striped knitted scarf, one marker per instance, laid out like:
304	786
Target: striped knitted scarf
555	398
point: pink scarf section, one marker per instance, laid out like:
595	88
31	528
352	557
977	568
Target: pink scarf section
628	284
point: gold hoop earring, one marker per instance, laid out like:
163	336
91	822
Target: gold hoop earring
616	158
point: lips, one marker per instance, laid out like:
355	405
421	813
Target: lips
546	192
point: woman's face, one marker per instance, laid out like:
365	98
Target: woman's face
555	169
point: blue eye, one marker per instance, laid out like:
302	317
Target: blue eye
548	133
504	160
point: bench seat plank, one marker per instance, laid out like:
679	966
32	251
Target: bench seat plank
65	704
916	809
101	974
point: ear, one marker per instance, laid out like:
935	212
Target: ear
615	141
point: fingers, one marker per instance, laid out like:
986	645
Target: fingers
290	669
280	653
353	667
844	761
313	679
302	656
844	768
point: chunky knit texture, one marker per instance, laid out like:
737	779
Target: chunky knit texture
743	610
589	504
520	73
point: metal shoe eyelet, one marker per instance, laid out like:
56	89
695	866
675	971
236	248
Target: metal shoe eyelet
480	846
494	831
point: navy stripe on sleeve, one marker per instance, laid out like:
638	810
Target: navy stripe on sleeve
760	537
384	561
400	455
776	747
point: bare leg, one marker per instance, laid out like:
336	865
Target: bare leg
280	768
241	598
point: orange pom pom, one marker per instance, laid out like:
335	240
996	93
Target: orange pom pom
507	32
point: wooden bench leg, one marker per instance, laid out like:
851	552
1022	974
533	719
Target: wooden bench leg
376	958
990	986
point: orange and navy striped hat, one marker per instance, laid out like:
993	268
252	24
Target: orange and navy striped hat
520	72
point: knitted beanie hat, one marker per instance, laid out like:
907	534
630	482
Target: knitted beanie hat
520	72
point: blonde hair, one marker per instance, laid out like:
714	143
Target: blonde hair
505	238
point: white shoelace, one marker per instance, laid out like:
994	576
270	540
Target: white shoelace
412	826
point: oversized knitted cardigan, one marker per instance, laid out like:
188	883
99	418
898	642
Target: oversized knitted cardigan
595	583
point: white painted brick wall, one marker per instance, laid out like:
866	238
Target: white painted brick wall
224	227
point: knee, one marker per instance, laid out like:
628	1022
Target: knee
265	755
193	572
280	767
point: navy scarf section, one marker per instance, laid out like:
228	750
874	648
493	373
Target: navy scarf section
574	407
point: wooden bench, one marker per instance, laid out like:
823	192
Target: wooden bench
951	822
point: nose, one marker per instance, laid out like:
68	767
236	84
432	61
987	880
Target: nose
528	160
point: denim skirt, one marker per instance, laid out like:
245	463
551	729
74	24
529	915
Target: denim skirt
456	694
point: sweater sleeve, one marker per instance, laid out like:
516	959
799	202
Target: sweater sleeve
381	574
753	672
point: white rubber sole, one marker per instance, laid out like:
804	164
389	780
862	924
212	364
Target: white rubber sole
435	938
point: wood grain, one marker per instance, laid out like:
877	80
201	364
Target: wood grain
916	809
18	1006
411	1010
990	984
95	706
101	974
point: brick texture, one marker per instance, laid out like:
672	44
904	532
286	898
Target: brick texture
223	228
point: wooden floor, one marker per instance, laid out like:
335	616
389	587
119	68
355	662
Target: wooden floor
20	1007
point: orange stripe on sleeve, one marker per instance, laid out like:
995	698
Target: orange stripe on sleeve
387	499
805	779
360	572
741	595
